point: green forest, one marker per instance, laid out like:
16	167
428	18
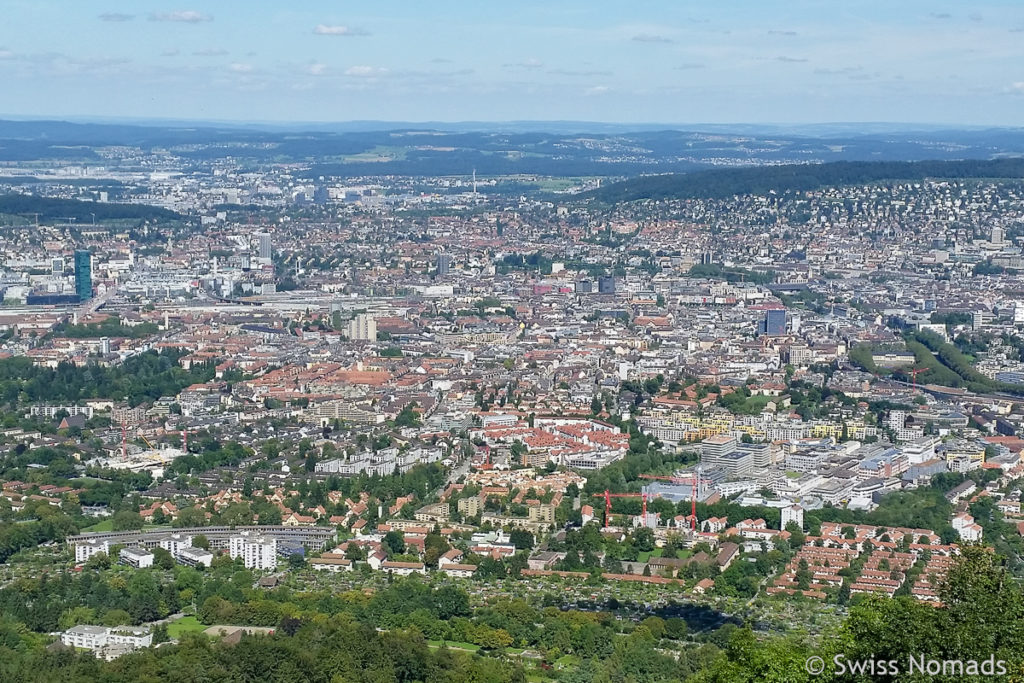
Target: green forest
412	631
61	210
145	377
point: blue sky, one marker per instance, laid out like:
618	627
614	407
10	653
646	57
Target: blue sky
791	61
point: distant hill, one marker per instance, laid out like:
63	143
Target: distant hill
570	149
720	183
62	209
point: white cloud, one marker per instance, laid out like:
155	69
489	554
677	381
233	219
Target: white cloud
173	52
571	72
531	63
790	60
210	52
183	16
241	68
1016	88
365	71
116	16
597	90
5	53
317	69
325	30
651	38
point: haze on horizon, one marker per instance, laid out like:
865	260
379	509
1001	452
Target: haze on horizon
794	62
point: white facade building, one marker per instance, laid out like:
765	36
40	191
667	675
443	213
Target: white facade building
175	543
363	328
793	513
136	557
107	642
257	552
966	527
86	549
194	556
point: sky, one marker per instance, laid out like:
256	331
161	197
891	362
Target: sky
669	61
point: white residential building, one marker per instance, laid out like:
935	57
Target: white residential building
793	513
107	642
86	549
363	328
175	543
966	527
194	556
257	552
136	557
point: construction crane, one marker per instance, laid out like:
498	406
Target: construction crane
607	495
694	480
914	372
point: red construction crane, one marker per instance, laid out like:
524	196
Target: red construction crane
694	480
607	495
914	373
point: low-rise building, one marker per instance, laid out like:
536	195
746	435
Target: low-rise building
136	557
194	557
107	642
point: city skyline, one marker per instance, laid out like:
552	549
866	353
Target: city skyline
799	63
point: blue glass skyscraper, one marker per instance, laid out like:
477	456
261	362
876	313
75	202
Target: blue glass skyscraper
83	274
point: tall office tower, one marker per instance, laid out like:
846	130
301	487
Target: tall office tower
266	246
606	285
774	323
997	235
444	263
83	274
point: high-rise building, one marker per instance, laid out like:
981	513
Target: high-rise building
257	552
794	513
266	245
606	285
83	274
363	328
444	263
774	323
997	235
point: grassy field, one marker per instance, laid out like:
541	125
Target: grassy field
455	645
184	625
567	662
644	556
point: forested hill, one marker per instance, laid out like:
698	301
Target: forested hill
719	183
50	209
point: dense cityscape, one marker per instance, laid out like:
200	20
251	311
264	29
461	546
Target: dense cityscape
697	415
576	342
